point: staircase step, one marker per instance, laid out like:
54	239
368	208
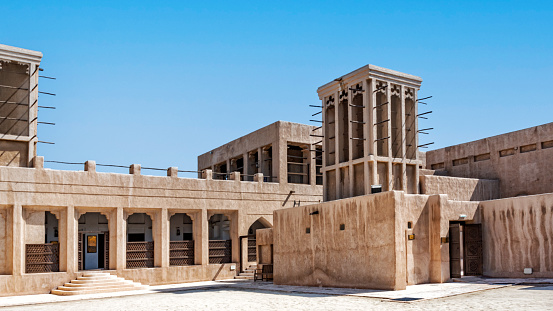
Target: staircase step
69	288
97	282
98	290
95	285
242	277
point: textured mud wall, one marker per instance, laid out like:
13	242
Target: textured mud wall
518	234
460	189
362	255
521	160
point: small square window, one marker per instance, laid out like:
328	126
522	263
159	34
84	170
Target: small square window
307	230
409	224
342	227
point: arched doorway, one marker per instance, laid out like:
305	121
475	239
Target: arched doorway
181	245
220	244
93	241
261	223
42	248
140	241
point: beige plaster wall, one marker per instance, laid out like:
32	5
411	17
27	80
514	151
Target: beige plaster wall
525	172
518	234
460	189
374	250
34	227
180	274
264	244
361	256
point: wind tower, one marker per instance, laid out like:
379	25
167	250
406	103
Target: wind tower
370	127
18	105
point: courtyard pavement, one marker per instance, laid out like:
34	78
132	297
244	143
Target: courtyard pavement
413	293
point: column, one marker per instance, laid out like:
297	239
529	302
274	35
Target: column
337	145
201	237
70	222
161	235
259	160
350	143
404	180
15	216
416	129
388	106
120	240
234	235
372	132
311	164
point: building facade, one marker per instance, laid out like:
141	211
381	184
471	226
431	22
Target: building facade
56	225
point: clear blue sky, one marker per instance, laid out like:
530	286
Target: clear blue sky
160	82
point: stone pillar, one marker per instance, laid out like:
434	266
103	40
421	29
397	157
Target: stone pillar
38	162
416	182
162	236
201	238
207	174
173	172
258	177
235	176
338	192
260	160
69	227
404	180
234	235
388	107
17	242
120	241
245	167
134	169
372	134
90	166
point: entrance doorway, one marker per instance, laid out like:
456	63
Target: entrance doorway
93	242
465	249
95	250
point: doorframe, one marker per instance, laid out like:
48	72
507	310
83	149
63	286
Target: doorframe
82	247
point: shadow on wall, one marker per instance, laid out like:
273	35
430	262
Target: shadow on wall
486	189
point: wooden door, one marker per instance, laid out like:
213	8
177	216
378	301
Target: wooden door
473	249
455	250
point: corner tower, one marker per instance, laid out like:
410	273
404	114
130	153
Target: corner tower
370	139
18	105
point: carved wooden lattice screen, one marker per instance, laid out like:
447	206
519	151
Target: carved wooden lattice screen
140	255
106	250
41	258
220	251
80	251
473	249
181	253
252	250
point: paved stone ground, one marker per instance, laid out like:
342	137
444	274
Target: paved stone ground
518	297
476	293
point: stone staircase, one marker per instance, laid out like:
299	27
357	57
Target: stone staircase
247	274
95	282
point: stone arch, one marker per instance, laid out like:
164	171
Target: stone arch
181	227
260	223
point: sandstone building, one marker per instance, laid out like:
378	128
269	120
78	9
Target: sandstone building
480	208
391	216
